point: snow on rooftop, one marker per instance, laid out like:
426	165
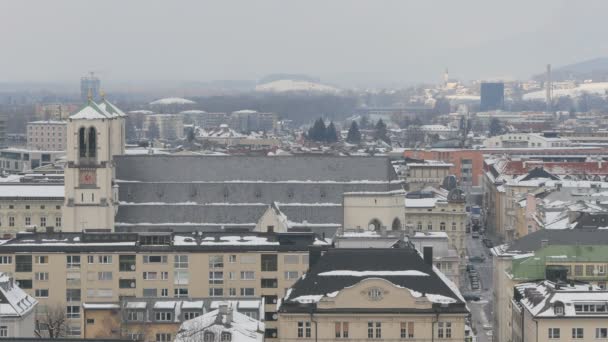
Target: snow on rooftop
137	305
165	305
238	240
100	306
420	202
281	86
89	113
346	273
31	190
172	101
597	88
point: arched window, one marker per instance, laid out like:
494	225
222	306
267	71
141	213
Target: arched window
396	224
82	143
442	226
92	143
226	336
208	336
374	224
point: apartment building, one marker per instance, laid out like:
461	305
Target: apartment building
438	210
25	206
467	165
550	311
64	270
47	135
565	255
524	140
374	294
417	174
16	309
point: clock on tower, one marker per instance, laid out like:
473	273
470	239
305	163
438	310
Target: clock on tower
87	177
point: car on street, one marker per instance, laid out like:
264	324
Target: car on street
471	297
475	235
477	258
470	267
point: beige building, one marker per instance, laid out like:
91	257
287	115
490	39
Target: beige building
375	294
548	311
64	270
419	174
438	210
16	309
374	210
47	135
27	206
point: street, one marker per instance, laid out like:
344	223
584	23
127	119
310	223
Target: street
481	311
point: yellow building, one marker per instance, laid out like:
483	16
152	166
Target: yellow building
64	270
375	294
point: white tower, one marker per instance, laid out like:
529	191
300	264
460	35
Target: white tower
96	134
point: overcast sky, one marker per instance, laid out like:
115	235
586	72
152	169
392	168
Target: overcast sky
341	41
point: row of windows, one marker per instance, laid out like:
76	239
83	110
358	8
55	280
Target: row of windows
28	221
442	226
374	330
28	206
577	333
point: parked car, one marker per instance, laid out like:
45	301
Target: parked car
471	297
477	258
470	267
475	235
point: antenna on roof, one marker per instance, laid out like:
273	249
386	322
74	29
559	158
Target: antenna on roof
102	94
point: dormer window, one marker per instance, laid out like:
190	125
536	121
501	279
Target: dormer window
559	309
226	336
208	336
374	294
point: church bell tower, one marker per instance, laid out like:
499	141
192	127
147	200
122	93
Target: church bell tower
95	136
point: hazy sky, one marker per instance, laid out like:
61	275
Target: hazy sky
340	41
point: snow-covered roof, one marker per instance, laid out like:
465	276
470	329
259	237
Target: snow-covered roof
240	327
14	302
11	190
295	86
420	202
172	101
541	299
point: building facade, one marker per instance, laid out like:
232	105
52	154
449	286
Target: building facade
65	270
344	297
47	135
28	206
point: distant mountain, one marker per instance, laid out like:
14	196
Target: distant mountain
594	69
294	77
281	86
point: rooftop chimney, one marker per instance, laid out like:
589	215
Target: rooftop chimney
427	252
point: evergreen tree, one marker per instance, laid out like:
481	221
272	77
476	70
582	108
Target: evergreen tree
353	136
317	131
381	132
331	136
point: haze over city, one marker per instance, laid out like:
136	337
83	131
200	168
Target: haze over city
349	43
299	171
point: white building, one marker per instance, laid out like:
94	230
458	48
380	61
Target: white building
520	140
169	126
17	309
222	325
47	135
22	160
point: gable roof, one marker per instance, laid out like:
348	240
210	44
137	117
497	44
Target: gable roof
338	269
241	327
91	111
110	108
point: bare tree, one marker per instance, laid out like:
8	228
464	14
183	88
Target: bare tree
53	323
